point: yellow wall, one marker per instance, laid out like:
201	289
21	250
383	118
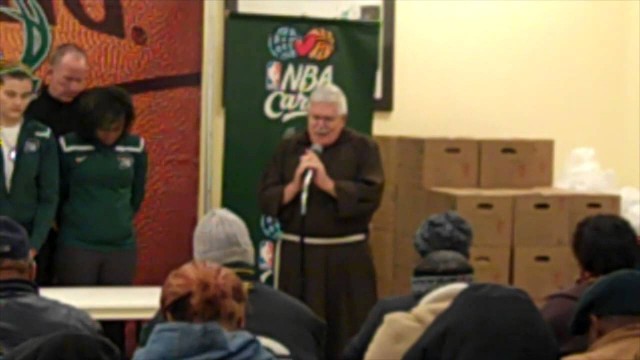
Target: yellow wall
631	122
566	70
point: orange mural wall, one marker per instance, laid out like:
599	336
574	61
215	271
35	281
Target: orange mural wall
154	49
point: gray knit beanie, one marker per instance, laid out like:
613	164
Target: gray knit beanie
447	231
222	237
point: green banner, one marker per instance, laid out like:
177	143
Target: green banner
272	64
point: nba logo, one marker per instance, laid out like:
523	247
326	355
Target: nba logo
265	259
274	72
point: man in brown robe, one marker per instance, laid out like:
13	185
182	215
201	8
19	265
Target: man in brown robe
345	192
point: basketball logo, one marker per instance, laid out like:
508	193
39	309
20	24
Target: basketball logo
325	44
286	43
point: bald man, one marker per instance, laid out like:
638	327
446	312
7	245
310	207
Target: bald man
55	107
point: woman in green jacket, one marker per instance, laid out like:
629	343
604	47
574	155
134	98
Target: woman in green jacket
103	174
29	172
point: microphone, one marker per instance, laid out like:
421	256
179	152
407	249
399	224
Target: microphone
306	183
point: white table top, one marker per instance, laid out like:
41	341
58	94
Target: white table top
109	302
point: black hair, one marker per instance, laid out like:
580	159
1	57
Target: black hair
102	107
605	243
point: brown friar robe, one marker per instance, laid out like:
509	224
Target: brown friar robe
340	279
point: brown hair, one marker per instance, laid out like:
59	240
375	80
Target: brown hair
16	71
201	291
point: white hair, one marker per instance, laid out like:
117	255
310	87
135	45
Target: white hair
330	93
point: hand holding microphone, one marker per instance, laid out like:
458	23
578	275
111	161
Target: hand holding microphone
314	170
311	169
311	164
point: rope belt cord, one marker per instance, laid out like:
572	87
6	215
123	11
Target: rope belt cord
349	239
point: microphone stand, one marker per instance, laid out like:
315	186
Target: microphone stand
303	231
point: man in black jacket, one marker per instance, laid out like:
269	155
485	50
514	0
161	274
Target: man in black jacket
66	80
23	313
56	107
275	317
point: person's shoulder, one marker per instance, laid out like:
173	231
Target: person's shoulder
397	303
39	100
131	143
359	139
271	297
572	293
266	292
38	129
294	139
584	356
69	315
73	142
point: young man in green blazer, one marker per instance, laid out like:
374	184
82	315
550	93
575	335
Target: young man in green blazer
29	168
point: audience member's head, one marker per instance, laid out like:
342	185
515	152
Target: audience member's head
605	243
107	114
66	346
611	303
447	231
487	321
440	268
201	291
15	258
222	237
68	72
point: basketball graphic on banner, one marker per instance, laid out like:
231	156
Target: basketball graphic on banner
325	44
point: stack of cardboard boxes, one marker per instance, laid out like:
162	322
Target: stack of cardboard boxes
412	167
522	227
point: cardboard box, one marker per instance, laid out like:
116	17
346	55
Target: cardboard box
491	264
541	220
405	259
385	217
490	213
387	147
409	153
412	208
516	163
429	162
582	204
382	251
450	163
542	271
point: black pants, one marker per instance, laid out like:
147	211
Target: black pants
45	259
77	266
